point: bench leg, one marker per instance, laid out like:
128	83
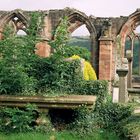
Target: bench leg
43	118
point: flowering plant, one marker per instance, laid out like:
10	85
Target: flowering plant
88	70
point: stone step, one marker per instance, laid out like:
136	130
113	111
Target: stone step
133	91
136	85
135	78
137	110
134	94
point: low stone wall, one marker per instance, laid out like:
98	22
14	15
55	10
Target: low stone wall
134	94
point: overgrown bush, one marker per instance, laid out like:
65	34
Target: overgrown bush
112	116
22	72
85	122
17	55
91	87
54	74
131	128
17	120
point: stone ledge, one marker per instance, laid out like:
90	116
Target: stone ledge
133	91
137	110
42	102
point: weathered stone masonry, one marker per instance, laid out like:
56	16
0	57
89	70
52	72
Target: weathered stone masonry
105	56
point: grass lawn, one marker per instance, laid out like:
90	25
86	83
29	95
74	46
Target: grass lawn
59	136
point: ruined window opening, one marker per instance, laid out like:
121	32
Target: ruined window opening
81	38
15	18
137	30
18	26
133	43
128	44
136	52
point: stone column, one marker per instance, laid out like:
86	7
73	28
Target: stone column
123	95
43	49
129	56
139	60
43	118
94	54
105	58
0	33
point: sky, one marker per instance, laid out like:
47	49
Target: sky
97	8
108	8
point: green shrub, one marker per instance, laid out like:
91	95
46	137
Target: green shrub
61	36
13	66
16	120
54	74
112	116
98	88
77	50
131	128
85	122
17	55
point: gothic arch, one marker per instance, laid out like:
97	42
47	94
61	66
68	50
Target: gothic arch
132	22
128	30
16	18
77	19
11	15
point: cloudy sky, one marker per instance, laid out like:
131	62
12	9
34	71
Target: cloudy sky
98	8
90	7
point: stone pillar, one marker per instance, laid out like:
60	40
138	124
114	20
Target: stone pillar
123	95
105	58
129	56
0	33
43	49
139	60
94	54
43	118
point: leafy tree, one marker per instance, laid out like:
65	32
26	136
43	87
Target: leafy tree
17	55
77	50
60	38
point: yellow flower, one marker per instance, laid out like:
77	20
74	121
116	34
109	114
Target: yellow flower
88	72
75	57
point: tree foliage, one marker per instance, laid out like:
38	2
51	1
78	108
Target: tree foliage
17	54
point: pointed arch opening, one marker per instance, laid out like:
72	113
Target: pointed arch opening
16	20
136	52
132	28
81	42
80	25
128	44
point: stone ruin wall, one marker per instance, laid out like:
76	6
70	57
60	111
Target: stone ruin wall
103	32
